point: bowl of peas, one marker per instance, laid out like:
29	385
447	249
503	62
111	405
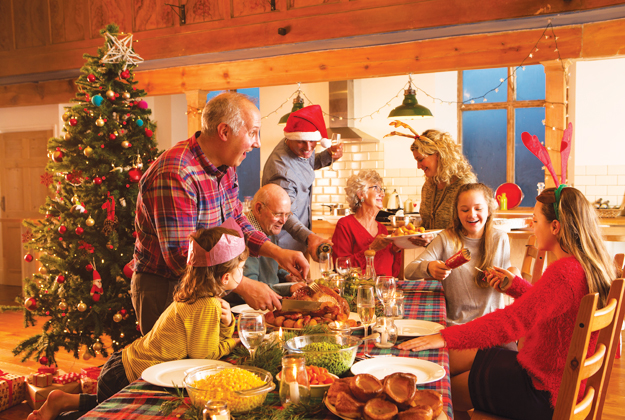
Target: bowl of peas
334	352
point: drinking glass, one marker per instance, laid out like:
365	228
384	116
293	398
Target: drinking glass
325	264
343	266
252	330
336	140
385	287
365	304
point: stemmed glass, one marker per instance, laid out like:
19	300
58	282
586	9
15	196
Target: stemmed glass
325	264
365	304
343	266
385	289
252	330
336	140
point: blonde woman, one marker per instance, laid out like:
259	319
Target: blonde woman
356	233
445	169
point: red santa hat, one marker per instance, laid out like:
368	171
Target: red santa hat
306	124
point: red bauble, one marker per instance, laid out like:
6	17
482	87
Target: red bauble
30	303
60	279
62	230
123	312
134	234
125	74
79	230
73	121
112	136
135	174
148	132
28	258
58	156
128	270
91	78
89	267
97	180
43	360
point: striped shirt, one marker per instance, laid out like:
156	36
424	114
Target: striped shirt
184	330
181	192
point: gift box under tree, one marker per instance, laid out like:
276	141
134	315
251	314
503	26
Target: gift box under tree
11	390
68	382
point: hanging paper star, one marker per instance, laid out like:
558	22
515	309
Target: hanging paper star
47	179
27	236
121	51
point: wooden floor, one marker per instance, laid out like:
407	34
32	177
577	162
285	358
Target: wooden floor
12	331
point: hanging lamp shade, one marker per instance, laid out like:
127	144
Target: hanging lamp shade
410	108
298	103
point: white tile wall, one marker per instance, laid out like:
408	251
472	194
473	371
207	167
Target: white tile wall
605	182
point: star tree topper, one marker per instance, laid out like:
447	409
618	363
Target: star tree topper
120	50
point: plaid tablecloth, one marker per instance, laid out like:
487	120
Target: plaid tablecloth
143	400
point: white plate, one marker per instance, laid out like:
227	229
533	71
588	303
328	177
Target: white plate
441	416
170	374
244	307
416	328
425	371
404	241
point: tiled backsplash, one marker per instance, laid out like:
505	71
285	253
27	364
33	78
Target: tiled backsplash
330	182
605	182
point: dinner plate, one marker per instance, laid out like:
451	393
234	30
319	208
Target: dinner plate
170	374
416	328
244	307
425	371
404	242
441	416
352	315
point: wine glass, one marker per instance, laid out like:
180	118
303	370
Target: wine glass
325	264
385	289
252	330
365	304
343	265
336	140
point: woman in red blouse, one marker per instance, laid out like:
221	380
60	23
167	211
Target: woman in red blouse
356	233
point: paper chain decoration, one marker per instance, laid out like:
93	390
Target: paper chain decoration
534	145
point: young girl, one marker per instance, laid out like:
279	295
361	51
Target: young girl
467	294
525	384
197	325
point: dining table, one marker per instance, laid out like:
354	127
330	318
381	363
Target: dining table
423	300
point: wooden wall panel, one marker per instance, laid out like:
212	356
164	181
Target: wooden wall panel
6	26
250	7
103	12
153	14
604	39
297	4
68	20
31	28
199	11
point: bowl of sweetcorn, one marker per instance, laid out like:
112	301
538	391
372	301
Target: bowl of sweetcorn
243	388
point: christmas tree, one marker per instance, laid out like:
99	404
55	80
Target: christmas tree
86	238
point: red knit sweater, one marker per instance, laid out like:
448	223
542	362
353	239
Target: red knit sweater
544	313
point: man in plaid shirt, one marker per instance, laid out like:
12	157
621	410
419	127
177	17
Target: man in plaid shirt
194	185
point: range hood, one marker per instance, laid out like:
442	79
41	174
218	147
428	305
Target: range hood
341	111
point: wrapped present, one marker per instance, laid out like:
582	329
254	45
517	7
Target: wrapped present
67	378
36	396
52	369
91	372
11	390
88	385
41	380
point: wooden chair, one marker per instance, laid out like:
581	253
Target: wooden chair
596	368
619	262
533	261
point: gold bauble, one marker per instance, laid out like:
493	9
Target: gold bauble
125	144
62	306
43	270
110	94
91	114
86	355
65	116
82	307
126	95
99	122
90	222
75	199
67	136
88	151
97	346
117	317
122	335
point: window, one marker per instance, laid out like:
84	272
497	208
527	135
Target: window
492	120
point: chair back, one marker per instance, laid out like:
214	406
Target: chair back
596	368
619	262
533	261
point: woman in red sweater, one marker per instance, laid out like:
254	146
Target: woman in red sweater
525	384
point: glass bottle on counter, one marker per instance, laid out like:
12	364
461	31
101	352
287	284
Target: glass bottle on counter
370	266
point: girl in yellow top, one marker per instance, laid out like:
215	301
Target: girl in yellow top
197	325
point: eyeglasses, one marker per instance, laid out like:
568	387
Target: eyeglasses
377	188
278	215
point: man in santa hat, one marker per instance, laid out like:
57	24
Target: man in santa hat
291	165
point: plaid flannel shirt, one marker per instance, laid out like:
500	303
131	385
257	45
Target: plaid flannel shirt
181	192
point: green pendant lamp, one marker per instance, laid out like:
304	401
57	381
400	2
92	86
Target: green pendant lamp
410	108
298	103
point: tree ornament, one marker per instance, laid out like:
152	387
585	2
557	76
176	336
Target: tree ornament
90	222
139	122
117	317
96	289
30	303
99	122
110	94
79	231
128	269
62	229
126	144
97	180
75	199
60	279
62	305
135	175
126	95
112	136
122	335
82	307
142	104
67	136
43	270
65	116
28	257
97	346
91	78
125	74
89	267
86	355
88	151
148	132
110	223
97	100
43	360
73	122
57	156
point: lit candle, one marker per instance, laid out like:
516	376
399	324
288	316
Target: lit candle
384	337
294	390
280	334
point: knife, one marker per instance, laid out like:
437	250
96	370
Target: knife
300	305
